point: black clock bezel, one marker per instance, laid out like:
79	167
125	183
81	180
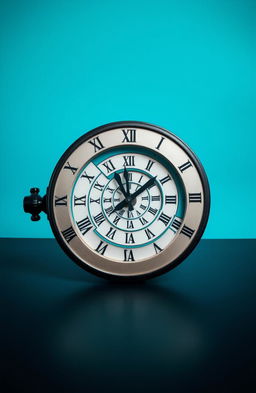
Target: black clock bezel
130	124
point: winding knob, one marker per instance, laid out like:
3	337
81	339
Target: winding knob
34	204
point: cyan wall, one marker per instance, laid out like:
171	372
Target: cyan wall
69	66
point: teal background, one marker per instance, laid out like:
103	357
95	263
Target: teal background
69	66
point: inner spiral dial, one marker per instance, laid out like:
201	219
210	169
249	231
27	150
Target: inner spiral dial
127	205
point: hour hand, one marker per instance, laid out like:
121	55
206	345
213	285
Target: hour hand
120	205
119	182
126	176
148	184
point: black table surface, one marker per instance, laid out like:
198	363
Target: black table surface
191	330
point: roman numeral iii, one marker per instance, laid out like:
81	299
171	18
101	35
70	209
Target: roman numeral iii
195	197
164	218
187	231
170	199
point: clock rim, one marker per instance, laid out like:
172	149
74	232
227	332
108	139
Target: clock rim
97	131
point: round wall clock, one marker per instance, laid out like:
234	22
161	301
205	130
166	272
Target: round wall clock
126	200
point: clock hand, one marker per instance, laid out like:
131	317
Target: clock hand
126	176
149	183
123	203
127	181
120	205
119	181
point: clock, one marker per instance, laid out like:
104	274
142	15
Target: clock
127	200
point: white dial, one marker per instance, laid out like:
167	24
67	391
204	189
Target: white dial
129	233
128	199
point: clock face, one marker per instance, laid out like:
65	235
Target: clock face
128	200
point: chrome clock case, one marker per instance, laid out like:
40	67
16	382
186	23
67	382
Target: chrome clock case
154	138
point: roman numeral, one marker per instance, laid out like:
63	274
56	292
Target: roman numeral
130	176
185	166
129	214
95	200
80	200
165	179
101	248
116	220
129	135
111	233
164	218
128	161
195	197
149	234
129	225
84	225
143	220
152	211
111	190
140	179
88	177
107	200
176	224
149	165
128	255
145	198
170	199
129	239
96	143
109	210
69	234
61	201
143	207
71	168
109	166
99	219
157	248
155	198
98	186
159	144
187	231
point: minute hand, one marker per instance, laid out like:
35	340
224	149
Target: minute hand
149	183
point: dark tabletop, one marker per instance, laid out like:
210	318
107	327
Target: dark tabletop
191	330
